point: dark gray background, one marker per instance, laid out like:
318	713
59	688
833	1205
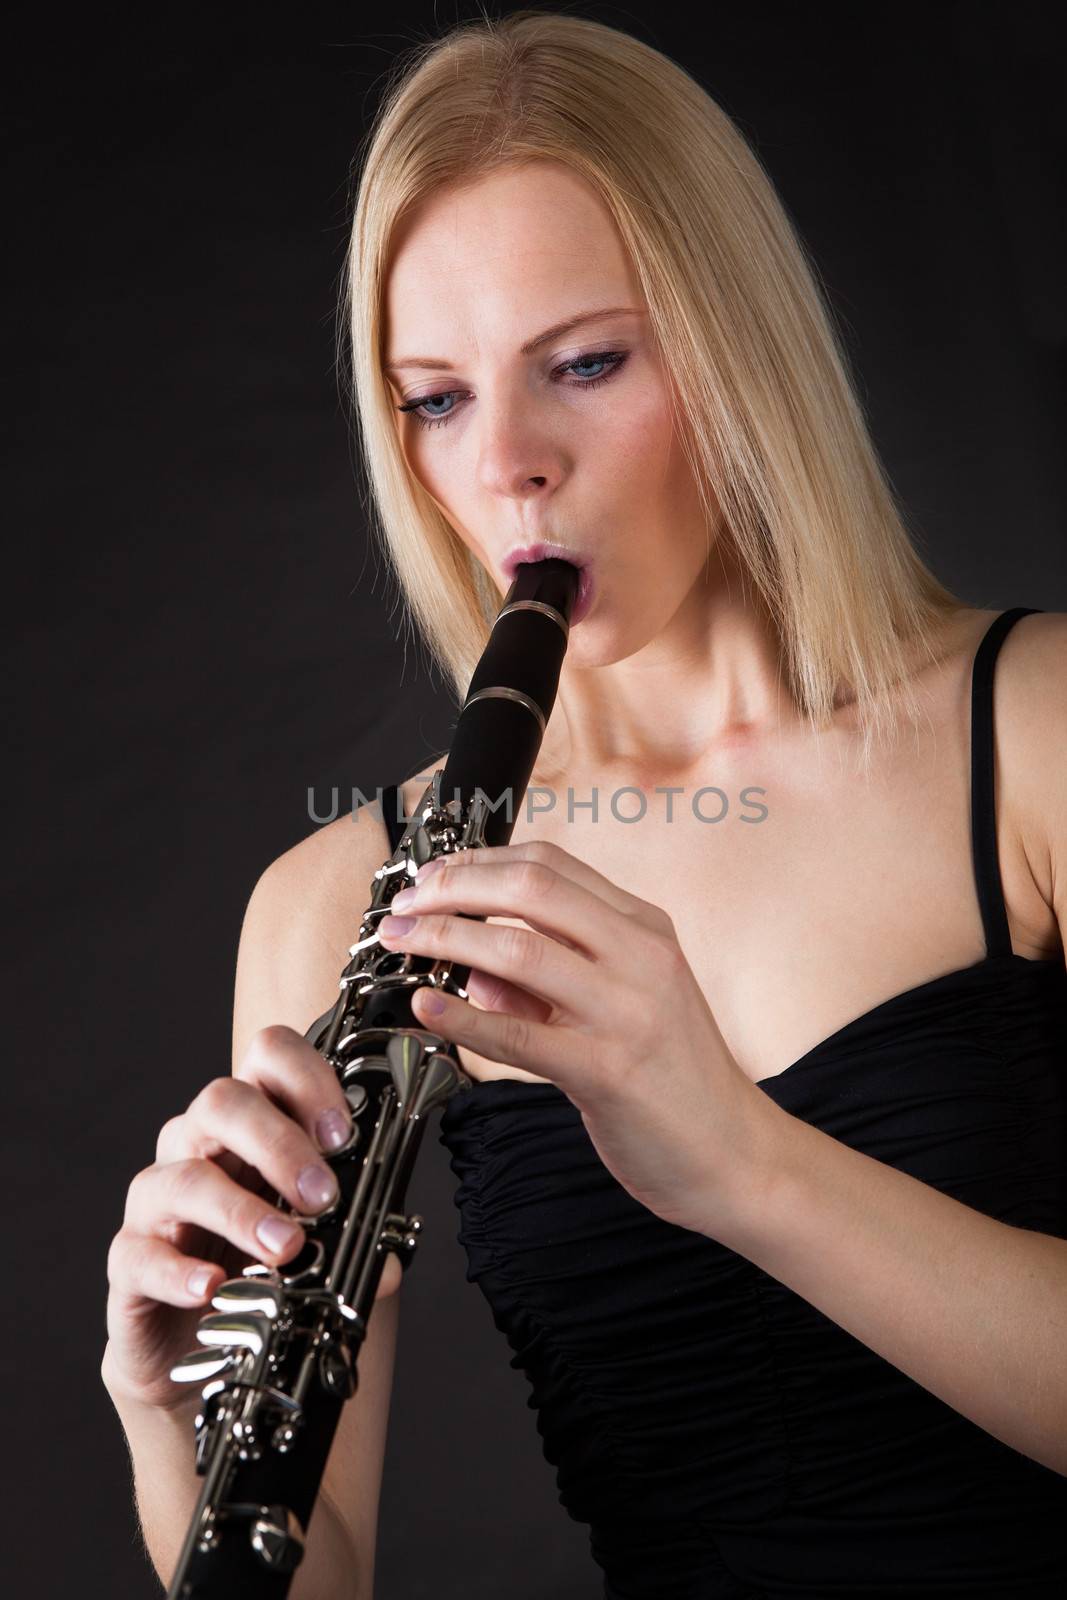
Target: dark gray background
201	631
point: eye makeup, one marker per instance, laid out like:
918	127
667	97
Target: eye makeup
614	359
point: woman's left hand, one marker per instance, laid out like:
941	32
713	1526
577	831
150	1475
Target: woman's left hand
595	995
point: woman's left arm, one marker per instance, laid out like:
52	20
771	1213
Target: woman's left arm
973	1309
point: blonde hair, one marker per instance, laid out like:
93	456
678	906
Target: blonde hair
766	407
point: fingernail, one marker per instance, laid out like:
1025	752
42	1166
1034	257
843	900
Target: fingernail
198	1280
396	927
431	1004
317	1186
275	1234
333	1129
405	898
428	867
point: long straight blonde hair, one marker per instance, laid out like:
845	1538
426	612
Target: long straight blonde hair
766	407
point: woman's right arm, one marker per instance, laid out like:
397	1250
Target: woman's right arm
200	1203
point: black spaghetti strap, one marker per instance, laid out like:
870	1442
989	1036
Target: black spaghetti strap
983	797
390	807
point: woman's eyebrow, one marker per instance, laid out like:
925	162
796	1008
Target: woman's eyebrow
436	364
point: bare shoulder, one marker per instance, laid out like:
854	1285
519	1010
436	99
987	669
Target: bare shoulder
311	897
303	914
1030	727
320	873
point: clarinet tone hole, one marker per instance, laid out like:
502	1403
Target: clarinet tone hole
309	1261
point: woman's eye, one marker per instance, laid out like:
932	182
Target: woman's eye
613	360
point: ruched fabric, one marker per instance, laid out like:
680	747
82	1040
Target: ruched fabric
719	1436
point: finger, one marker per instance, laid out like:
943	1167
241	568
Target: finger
544	968
231	1116
548	1051
171	1143
561	861
176	1143
392	1277
536	892
142	1267
197	1191
496	994
293	1073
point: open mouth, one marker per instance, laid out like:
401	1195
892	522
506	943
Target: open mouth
543	552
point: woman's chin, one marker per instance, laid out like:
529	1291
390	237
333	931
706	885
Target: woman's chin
601	640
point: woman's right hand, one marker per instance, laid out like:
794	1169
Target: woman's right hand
200	1208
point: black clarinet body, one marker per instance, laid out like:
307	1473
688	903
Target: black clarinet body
278	1353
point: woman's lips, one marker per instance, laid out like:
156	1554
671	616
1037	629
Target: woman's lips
584	597
543	552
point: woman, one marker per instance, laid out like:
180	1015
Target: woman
764	1171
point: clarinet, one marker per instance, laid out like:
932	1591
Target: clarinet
278	1353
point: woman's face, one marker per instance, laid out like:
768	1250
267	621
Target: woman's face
569	443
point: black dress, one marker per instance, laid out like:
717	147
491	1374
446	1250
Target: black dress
720	1436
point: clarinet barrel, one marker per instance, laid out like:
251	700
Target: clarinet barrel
278	1353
